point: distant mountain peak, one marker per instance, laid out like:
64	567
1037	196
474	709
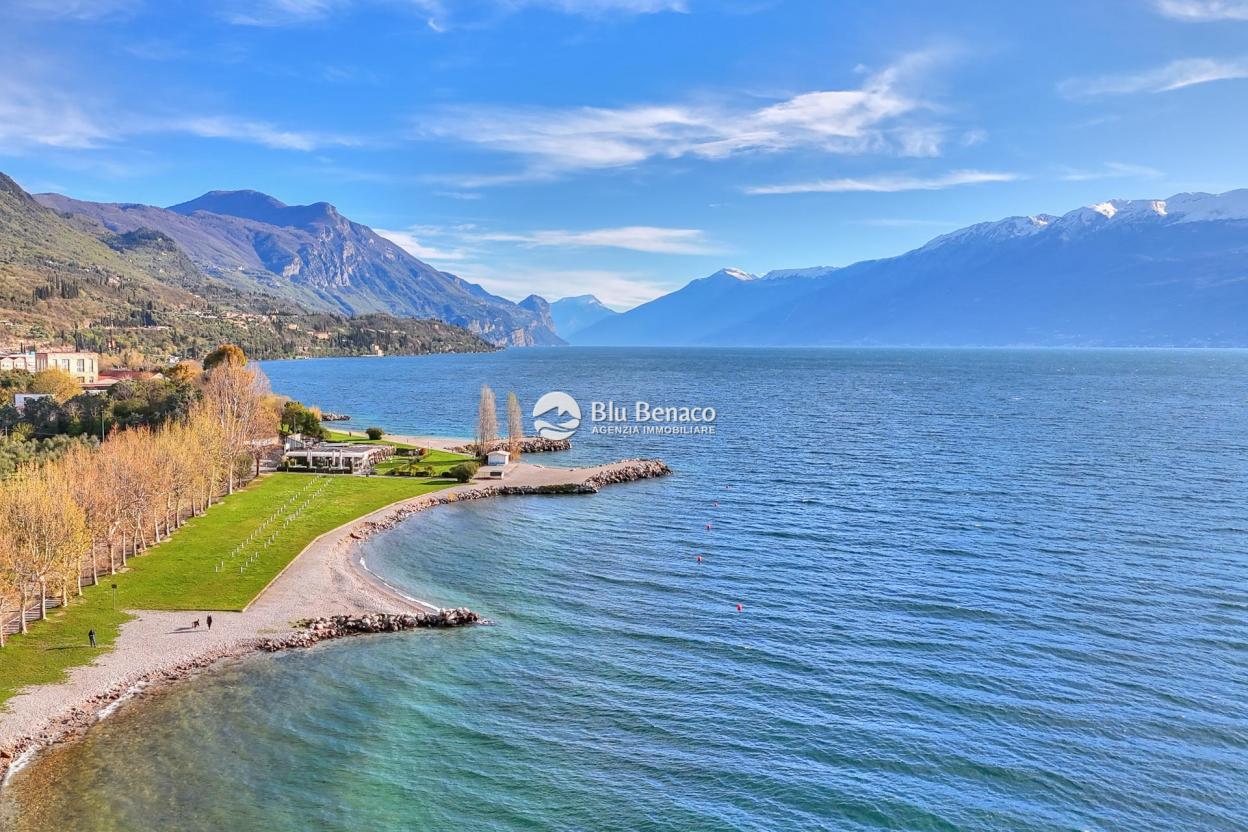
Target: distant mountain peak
734	274
583	299
260	207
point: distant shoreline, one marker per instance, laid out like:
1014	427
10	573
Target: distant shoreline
328	577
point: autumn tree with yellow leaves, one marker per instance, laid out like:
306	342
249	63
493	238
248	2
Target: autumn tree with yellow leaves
65	521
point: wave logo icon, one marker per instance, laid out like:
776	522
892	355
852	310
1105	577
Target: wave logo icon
563	406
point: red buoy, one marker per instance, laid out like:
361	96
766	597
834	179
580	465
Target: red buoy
739	608
699	558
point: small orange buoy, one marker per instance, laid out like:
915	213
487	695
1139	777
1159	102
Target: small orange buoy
740	608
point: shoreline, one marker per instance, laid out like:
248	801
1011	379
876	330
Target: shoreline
329	577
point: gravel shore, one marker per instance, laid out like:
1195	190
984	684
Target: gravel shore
326	579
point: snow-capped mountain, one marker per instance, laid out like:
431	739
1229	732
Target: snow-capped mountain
573	314
1145	272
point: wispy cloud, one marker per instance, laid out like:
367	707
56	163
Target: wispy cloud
459	242
603	7
73	9
885	184
1203	11
35	113
642	238
1172	76
279	12
1109	170
246	130
620	290
45	116
877	117
440	15
409	241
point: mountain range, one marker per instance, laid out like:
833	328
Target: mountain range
1164	272
66	278
315	259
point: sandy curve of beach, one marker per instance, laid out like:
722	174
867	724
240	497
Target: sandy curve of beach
327	578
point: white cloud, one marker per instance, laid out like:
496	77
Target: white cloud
73	9
885	184
34	113
1202	11
36	116
460	242
408	241
1109	170
876	117
253	132
643	238
1172	76
620	290
601	7
279	12
439	14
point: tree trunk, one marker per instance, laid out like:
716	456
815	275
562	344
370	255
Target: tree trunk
24	594
43	600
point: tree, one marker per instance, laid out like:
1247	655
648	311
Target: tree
184	371
487	421
463	472
10	577
225	354
374	433
515	426
57	383
238	400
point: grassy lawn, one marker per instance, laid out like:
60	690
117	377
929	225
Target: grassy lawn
361	439
181	573
53	646
439	461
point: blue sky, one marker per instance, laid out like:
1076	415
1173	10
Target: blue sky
623	147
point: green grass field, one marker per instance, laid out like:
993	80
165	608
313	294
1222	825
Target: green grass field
439	461
361	439
180	573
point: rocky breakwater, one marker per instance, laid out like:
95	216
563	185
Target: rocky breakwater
315	630
528	445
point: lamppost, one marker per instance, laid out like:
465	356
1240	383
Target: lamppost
114	596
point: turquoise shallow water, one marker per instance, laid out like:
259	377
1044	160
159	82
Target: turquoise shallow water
981	590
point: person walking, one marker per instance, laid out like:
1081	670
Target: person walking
91	637
210	622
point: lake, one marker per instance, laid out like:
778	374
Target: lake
979	590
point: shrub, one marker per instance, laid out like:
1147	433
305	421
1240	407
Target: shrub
463	472
375	433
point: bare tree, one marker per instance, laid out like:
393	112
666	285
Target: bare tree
515	426
487	421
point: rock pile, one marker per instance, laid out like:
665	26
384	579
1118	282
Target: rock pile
322	629
528	445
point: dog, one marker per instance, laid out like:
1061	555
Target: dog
195	624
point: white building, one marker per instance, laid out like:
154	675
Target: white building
496	464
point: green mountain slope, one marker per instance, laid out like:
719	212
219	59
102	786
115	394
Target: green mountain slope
68	279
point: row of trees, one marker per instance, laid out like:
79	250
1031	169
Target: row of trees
66	521
487	424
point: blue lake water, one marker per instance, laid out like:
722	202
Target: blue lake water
980	590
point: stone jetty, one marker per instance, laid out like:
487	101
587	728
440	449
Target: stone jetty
528	445
314	630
